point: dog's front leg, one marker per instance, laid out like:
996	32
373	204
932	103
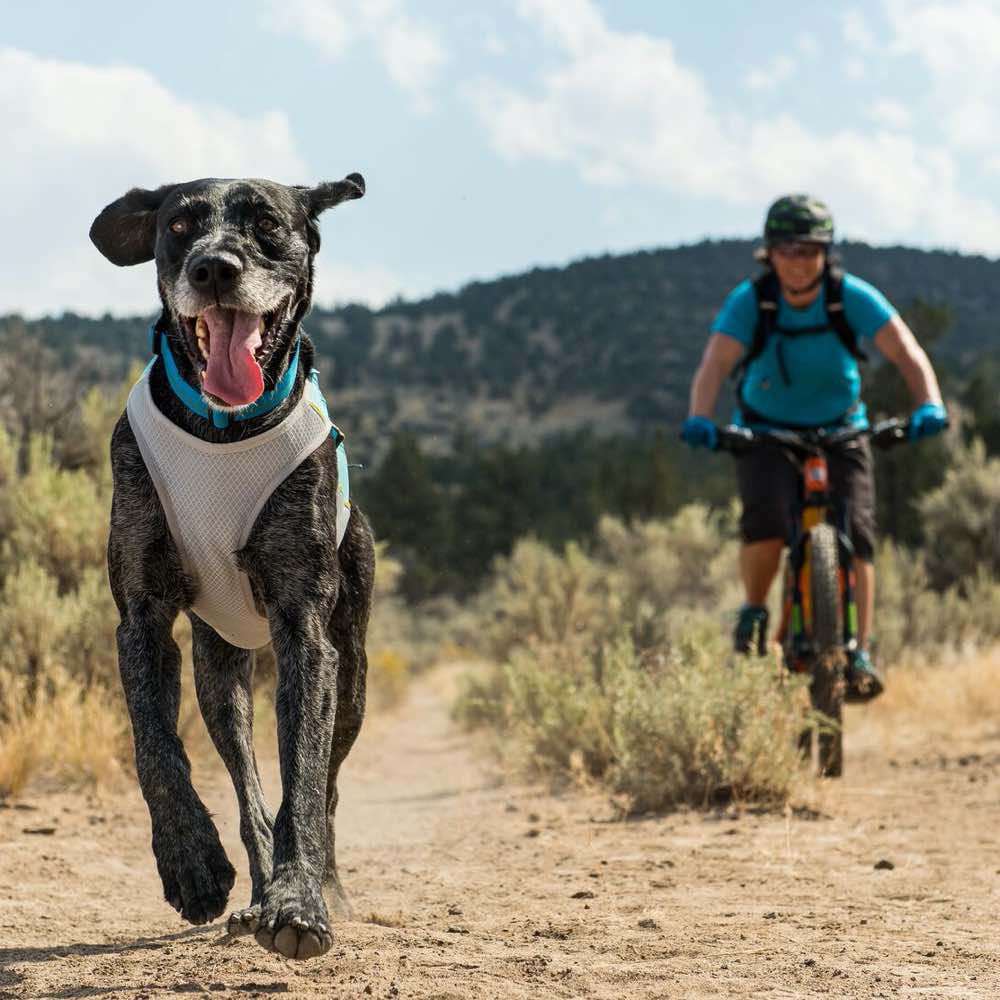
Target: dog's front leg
193	866
294	919
223	677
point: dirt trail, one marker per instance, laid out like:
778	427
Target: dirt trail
487	890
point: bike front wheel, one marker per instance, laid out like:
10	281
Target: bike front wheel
827	687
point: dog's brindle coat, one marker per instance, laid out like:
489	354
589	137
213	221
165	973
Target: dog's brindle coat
245	245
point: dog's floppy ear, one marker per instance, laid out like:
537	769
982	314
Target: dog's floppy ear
330	193
323	196
125	232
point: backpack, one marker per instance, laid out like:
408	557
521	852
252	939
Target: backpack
768	291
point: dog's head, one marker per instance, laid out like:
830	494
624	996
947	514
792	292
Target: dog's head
234	265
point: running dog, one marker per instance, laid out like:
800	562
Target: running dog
230	499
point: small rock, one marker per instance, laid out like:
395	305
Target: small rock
533	832
809	962
884	865
582	894
45	831
771	916
648	924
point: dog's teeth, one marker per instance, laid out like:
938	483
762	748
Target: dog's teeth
201	327
203	347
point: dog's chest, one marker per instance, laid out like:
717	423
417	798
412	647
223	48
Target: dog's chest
212	493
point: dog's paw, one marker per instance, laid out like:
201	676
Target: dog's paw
293	919
197	876
242	922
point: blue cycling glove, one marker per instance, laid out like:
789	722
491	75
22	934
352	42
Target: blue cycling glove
928	420
700	432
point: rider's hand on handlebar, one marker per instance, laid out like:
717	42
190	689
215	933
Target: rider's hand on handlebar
928	420
700	432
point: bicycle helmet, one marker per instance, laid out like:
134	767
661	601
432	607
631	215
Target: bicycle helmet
798	218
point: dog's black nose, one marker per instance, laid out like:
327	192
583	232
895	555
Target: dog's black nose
218	273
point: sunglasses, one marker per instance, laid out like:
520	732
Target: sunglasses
789	251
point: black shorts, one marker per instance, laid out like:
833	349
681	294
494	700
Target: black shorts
769	484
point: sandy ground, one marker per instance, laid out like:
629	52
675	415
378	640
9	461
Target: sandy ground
468	887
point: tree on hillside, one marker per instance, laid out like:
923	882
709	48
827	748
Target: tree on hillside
409	510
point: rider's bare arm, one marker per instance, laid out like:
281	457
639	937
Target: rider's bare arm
721	355
896	341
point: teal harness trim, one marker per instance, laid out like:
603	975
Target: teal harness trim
343	477
194	401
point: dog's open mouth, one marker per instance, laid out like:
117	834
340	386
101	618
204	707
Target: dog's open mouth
233	346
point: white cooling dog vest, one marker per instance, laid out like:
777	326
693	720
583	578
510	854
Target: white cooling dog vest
212	494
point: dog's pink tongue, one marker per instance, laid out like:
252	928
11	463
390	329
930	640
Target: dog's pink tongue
233	373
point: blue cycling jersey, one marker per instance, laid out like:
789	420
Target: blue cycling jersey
824	382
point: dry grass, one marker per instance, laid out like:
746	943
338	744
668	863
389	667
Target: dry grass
943	696
62	736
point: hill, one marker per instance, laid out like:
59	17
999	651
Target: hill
607	344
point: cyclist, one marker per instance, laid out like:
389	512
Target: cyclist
799	331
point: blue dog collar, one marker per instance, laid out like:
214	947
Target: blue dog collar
193	399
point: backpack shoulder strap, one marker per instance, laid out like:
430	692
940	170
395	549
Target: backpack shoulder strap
767	291
835	313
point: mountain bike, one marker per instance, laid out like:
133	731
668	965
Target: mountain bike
819	612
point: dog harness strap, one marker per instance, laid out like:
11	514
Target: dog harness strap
194	400
212	494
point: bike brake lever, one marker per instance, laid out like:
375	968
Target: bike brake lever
888	433
735	439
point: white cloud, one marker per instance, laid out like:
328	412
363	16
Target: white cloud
958	43
857	32
78	136
855	68
773	75
620	107
891	114
622	110
807	44
410	49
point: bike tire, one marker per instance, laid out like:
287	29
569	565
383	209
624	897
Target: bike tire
827	685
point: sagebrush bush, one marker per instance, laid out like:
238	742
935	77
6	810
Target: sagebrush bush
615	661
689	724
961	520
647	578
915	621
51	516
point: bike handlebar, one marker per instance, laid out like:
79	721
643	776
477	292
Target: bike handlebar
739	440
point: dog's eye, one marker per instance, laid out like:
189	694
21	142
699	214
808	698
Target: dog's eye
179	226
267	224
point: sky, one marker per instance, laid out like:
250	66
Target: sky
494	137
